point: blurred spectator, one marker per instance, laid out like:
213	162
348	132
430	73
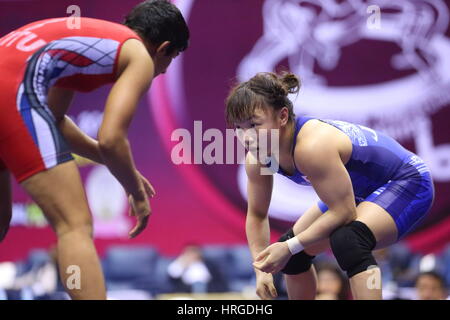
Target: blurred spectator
399	266
42	276
34	278
430	286
332	284
189	272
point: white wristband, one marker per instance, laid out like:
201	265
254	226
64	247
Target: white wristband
294	245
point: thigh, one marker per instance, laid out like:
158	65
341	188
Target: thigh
397	207
379	221
59	193
30	138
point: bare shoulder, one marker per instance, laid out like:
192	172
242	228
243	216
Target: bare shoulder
133	47
315	137
316	143
134	52
316	130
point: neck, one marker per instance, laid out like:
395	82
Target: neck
287	140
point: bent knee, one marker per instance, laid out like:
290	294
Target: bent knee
82	229
352	247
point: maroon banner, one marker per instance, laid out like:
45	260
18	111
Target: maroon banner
383	64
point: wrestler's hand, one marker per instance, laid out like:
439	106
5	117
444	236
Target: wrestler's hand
140	206
273	258
265	288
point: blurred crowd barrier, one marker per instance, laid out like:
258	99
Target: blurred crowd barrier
208	272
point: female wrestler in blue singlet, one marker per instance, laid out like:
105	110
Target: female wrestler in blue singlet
372	190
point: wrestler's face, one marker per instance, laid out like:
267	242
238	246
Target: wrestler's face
161	59
257	134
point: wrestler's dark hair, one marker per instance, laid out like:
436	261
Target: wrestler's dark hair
265	89
157	21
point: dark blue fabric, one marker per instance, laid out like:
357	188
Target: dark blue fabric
383	172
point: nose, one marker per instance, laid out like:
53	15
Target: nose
249	137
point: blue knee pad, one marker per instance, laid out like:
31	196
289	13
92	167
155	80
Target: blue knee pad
298	263
352	246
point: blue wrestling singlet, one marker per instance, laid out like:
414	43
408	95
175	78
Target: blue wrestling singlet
383	172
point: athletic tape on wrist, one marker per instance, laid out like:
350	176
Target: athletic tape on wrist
294	245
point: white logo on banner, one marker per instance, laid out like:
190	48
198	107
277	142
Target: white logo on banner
308	33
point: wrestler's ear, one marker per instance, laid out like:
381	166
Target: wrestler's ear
162	48
283	116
